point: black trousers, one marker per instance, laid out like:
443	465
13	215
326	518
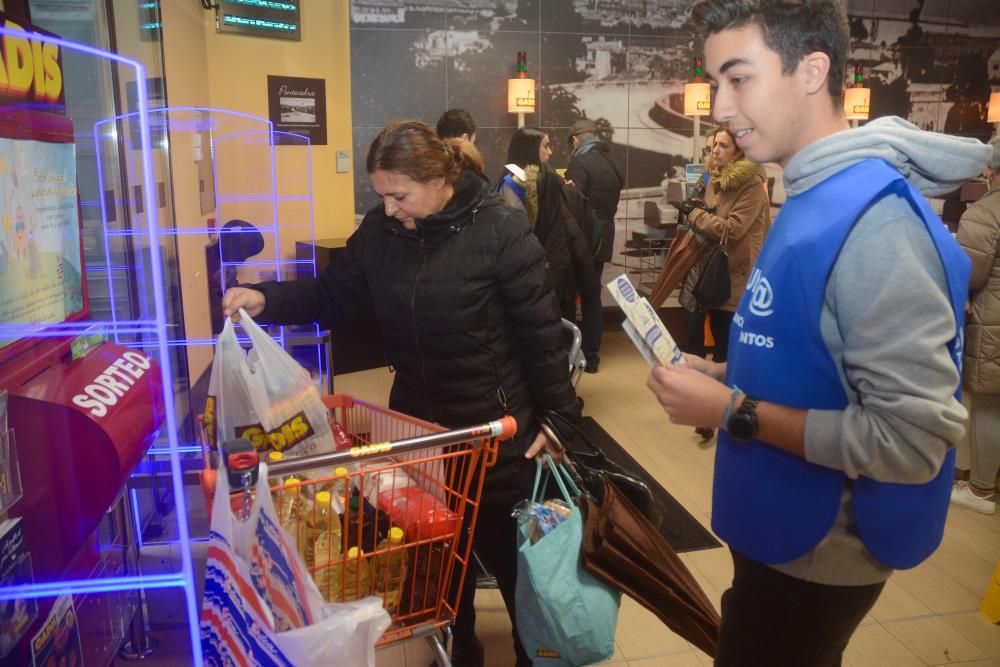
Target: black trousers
770	618
495	543
719	322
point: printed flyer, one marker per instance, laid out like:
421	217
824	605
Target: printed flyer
40	267
57	644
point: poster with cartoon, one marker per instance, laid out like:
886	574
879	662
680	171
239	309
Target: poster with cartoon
40	268
57	644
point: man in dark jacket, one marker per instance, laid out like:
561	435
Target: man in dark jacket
600	181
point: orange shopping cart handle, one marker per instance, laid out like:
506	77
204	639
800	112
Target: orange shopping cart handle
509	428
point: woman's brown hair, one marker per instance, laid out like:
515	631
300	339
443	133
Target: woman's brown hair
412	148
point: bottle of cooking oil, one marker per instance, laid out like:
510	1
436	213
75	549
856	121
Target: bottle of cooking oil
326	547
357	579
390	569
290	506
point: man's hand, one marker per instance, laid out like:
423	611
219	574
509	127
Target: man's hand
690	396
712	369
249	300
543	443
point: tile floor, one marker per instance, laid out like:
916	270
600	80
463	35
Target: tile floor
926	616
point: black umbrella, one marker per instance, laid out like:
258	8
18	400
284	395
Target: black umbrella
623	549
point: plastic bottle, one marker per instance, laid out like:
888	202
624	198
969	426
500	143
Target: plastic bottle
339	488
391	559
341	439
288	504
326	547
357	580
360	524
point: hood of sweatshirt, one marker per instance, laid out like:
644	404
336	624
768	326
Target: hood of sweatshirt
932	162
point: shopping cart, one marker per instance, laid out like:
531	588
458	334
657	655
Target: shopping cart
399	471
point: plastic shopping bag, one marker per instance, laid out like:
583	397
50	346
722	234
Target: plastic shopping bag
264	396
261	608
564	615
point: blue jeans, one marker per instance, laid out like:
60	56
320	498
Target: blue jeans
593	321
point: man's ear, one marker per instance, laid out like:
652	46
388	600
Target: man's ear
814	70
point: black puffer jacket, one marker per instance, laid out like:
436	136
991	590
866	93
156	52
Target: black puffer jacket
600	181
466	309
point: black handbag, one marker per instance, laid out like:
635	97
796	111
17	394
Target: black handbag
714	286
589	467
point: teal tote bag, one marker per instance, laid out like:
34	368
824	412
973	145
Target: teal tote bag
564	615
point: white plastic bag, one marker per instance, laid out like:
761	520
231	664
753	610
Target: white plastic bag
261	607
264	396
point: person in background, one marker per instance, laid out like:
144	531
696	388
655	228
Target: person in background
596	176
838	401
736	207
694	315
469	318
979	236
540	195
457	123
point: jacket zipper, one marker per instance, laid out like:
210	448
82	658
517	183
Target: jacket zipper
413	315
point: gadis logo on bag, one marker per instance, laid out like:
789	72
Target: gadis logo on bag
289	433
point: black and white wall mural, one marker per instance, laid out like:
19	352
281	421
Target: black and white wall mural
624	63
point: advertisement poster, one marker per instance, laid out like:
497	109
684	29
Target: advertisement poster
40	269
15	569
57	644
297	105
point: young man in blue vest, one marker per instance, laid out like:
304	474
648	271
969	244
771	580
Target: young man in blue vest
837	409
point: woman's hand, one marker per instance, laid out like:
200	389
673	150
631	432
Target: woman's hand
249	300
543	443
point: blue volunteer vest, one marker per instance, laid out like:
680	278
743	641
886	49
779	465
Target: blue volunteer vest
770	505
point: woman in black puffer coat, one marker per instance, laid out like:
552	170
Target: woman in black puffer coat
468	314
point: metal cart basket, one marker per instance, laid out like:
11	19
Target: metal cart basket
397	472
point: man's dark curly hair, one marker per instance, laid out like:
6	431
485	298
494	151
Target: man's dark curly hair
791	28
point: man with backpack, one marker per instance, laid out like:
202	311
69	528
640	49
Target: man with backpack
599	180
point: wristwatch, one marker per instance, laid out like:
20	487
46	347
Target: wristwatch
742	424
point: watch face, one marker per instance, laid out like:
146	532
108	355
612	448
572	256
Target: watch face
741	427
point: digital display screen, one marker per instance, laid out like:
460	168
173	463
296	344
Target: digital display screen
260	18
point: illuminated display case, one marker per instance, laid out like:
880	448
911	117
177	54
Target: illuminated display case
256	200
86	380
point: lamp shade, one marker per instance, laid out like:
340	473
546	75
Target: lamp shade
857	102
520	95
993	115
697	99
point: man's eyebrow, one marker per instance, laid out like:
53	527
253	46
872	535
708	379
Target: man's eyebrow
732	62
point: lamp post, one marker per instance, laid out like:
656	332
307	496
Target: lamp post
857	99
697	103
521	90
993	113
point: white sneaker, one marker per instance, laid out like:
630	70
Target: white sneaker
963	496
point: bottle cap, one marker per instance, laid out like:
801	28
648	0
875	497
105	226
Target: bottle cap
395	535
354	552
323	498
293	480
340	471
275	456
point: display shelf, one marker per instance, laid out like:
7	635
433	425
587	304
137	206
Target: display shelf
74	459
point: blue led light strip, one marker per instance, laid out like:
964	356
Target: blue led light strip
109	584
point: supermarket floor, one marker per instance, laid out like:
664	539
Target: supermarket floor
926	616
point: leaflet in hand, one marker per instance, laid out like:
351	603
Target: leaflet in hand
644	326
